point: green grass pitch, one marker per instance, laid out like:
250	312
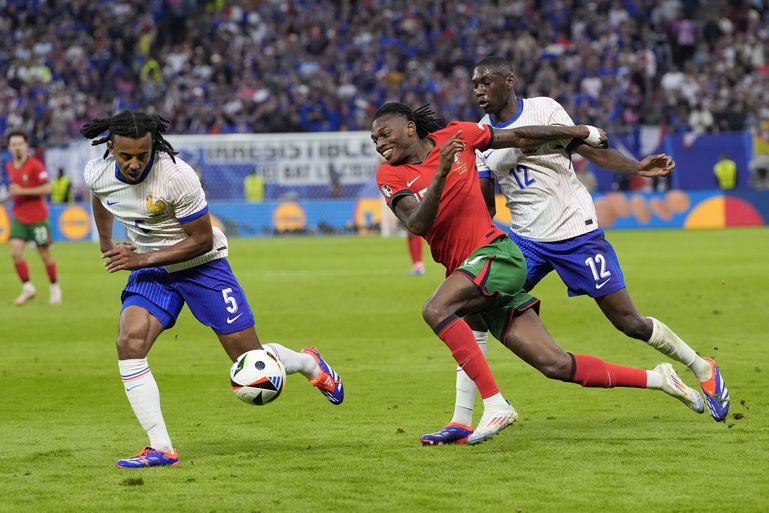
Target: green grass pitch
64	417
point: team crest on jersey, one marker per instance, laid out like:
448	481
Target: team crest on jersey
156	206
387	191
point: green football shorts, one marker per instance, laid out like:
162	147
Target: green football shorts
499	270
40	232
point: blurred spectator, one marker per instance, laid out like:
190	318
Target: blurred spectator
253	186
726	173
61	188
759	172
700	119
584	175
320	65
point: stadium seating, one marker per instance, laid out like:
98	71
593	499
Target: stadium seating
325	65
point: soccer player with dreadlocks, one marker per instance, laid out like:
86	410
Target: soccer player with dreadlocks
431	184
175	257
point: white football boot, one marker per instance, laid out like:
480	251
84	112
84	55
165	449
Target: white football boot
28	293
674	386
54	294
492	422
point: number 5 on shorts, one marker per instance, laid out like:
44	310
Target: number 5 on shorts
233	305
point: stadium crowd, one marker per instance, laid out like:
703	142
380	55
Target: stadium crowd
318	65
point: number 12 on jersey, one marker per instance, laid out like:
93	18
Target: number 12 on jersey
521	175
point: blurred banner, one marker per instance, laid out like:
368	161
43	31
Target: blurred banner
364	216
323	183
343	164
313	165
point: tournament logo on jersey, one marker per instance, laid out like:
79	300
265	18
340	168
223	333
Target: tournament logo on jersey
387	191
459	166
155	206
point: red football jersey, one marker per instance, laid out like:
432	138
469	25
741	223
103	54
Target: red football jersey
462	223
28	209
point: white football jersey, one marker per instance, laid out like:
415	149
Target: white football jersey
154	209
546	200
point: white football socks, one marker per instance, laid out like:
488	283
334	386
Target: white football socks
465	398
293	361
654	380
495	402
664	340
144	396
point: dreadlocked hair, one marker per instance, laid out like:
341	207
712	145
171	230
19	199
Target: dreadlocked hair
424	118
131	124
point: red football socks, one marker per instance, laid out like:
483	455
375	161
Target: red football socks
590	371
456	334
22	269
415	248
51	270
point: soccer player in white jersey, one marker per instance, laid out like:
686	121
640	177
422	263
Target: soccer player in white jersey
554	223
175	257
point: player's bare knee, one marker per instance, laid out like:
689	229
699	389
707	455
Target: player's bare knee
133	341
129	347
433	313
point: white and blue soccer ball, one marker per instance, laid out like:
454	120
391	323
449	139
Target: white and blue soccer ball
257	377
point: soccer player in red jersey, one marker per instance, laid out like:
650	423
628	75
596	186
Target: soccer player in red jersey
431	184
29	185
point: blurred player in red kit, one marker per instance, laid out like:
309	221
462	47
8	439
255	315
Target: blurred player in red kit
29	186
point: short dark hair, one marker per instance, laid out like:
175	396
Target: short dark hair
423	118
499	64
133	124
16	133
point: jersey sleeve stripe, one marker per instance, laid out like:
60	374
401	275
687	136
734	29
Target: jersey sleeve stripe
491	139
192	217
398	196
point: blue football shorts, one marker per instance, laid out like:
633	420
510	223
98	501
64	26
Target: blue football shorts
587	264
211	291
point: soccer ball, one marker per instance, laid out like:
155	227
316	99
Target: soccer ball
257	377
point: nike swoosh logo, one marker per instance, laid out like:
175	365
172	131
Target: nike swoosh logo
110	203
408	184
230	321
474	260
599	285
135	386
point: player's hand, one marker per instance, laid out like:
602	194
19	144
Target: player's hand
449	153
596	137
15	189
656	165
121	257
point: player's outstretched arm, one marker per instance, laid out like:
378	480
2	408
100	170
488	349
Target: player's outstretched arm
615	160
535	135
418	216
200	240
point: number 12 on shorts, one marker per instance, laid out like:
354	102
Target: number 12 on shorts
597	265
